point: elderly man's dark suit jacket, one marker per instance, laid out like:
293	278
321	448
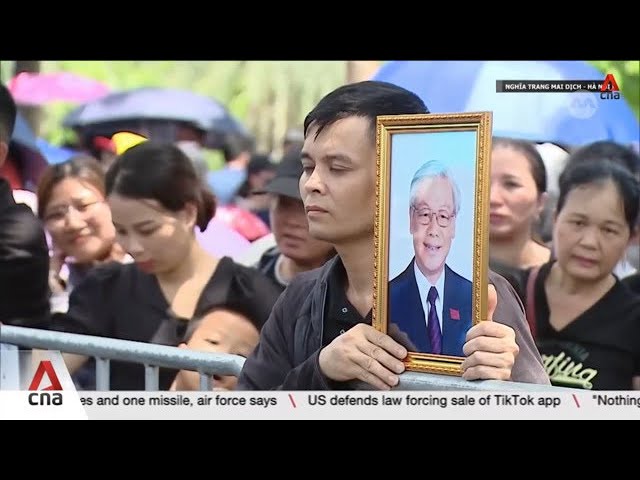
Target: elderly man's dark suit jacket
406	312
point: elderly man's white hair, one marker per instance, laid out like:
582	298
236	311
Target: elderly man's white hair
434	169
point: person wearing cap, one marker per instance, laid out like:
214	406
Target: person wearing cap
259	172
295	251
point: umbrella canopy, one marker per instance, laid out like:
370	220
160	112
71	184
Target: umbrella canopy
152	103
221	240
246	223
24	149
41	88
23	134
54	154
565	118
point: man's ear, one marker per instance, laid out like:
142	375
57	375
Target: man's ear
412	226
453	225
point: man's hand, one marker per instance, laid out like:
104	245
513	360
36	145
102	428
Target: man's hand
491	347
365	354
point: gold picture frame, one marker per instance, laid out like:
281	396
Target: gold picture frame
441	229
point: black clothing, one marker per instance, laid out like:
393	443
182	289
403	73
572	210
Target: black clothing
121	301
267	265
600	349
24	264
290	342
340	315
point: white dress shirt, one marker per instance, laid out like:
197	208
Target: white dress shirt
423	288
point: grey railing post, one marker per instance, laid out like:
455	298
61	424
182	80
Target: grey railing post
103	379
151	380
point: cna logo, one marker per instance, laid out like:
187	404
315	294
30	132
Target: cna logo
45	368
34	370
609	89
35	384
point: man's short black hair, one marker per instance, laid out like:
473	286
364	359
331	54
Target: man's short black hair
8	112
368	99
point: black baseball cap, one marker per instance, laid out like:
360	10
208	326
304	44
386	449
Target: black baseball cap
288	173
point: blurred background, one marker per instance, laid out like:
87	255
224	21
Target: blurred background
268	98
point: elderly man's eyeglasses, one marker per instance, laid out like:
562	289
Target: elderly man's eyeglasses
423	215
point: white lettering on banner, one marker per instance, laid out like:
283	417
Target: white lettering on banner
393	405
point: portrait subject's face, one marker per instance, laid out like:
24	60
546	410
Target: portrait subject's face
432	224
338	183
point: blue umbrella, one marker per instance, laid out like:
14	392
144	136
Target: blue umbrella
23	134
153	103
565	118
24	148
54	154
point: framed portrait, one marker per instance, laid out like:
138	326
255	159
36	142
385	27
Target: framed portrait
432	234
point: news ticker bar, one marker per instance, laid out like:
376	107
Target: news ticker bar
548	86
319	405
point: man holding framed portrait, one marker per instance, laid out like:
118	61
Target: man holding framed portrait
320	333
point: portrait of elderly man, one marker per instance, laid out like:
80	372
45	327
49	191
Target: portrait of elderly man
429	302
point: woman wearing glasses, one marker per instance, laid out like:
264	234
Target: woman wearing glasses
71	203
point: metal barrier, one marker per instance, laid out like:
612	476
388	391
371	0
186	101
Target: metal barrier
207	364
426	381
106	349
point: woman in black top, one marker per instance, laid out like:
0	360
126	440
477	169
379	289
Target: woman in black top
157	200
585	321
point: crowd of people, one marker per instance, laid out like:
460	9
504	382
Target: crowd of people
115	250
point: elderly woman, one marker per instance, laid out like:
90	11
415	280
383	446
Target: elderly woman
586	322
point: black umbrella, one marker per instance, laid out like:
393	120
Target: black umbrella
156	104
